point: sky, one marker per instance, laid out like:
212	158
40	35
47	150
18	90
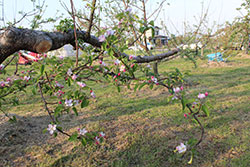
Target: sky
172	15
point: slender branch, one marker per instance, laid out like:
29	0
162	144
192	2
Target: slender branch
9	61
91	18
76	41
201	126
45	103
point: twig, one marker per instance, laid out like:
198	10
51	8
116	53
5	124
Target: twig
91	18
201	126
9	61
76	41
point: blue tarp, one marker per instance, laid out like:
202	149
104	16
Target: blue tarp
215	57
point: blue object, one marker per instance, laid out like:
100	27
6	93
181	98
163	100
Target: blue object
215	56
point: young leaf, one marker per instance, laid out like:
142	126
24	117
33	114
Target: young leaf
75	111
205	109
73	137
42	69
84	142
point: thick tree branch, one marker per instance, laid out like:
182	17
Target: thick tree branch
15	39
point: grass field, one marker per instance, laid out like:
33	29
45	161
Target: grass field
142	128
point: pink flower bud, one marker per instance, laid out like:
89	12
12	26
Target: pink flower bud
60	102
185	115
182	88
132	65
119	74
206	94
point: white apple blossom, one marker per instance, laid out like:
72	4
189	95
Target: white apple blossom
117	62
1	66
82	131
182	148
69	102
51	128
69	72
122	68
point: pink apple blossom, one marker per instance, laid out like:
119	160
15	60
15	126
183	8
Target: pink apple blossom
201	96
101	38
122	68
74	76
176	90
82	85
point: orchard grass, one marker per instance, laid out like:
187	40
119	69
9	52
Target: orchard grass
142	127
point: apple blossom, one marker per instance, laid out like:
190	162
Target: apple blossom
101	38
26	78
8	79
69	102
82	131
201	96
129	10
102	134
154	79
93	94
51	128
2	84
58	85
74	76
81	84
110	32
176	90
117	62
131	57
97	140
1	66
122	68
69	72
182	148
76	102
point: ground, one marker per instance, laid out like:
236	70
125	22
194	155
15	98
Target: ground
142	127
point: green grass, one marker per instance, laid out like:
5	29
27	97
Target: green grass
143	129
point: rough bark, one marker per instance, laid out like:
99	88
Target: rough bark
14	39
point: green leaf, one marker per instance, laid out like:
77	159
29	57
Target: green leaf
75	111
152	23
84	103
205	109
73	137
84	142
42	69
143	84
118	89
184	101
136	86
